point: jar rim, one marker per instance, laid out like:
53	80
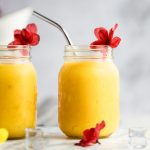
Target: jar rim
9	53
14	47
87	47
88	52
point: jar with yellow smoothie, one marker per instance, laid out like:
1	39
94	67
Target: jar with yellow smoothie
88	90
18	90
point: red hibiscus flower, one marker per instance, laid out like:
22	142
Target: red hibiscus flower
26	36
106	38
90	136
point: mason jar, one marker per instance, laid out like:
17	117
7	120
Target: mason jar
88	90
18	90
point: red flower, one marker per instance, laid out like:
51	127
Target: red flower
26	36
106	38
90	136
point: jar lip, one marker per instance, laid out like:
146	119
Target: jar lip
14	47
88	52
87	47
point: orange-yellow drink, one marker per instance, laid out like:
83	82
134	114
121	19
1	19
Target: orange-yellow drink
88	93
18	94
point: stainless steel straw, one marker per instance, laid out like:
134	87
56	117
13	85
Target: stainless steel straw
55	24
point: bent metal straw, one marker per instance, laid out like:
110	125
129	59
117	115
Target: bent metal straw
55	24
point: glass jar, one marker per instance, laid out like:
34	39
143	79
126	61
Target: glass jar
18	90
88	90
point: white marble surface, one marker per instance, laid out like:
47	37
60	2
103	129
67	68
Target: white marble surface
55	140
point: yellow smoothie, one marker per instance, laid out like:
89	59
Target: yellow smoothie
88	94
18	94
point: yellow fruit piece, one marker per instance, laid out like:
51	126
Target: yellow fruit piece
3	135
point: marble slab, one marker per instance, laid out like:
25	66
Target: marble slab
56	140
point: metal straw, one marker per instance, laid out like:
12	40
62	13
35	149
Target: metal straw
55	24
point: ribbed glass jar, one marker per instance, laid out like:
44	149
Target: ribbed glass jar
18	90
88	90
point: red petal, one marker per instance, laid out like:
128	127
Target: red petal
90	136
32	28
26	34
100	125
16	42
11	43
101	34
115	42
112	30
83	143
98	42
17	34
115	26
94	44
34	39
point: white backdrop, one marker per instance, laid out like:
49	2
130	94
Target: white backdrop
80	17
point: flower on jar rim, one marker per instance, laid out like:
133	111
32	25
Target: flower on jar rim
91	136
26	36
105	37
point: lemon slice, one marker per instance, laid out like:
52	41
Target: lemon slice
3	135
